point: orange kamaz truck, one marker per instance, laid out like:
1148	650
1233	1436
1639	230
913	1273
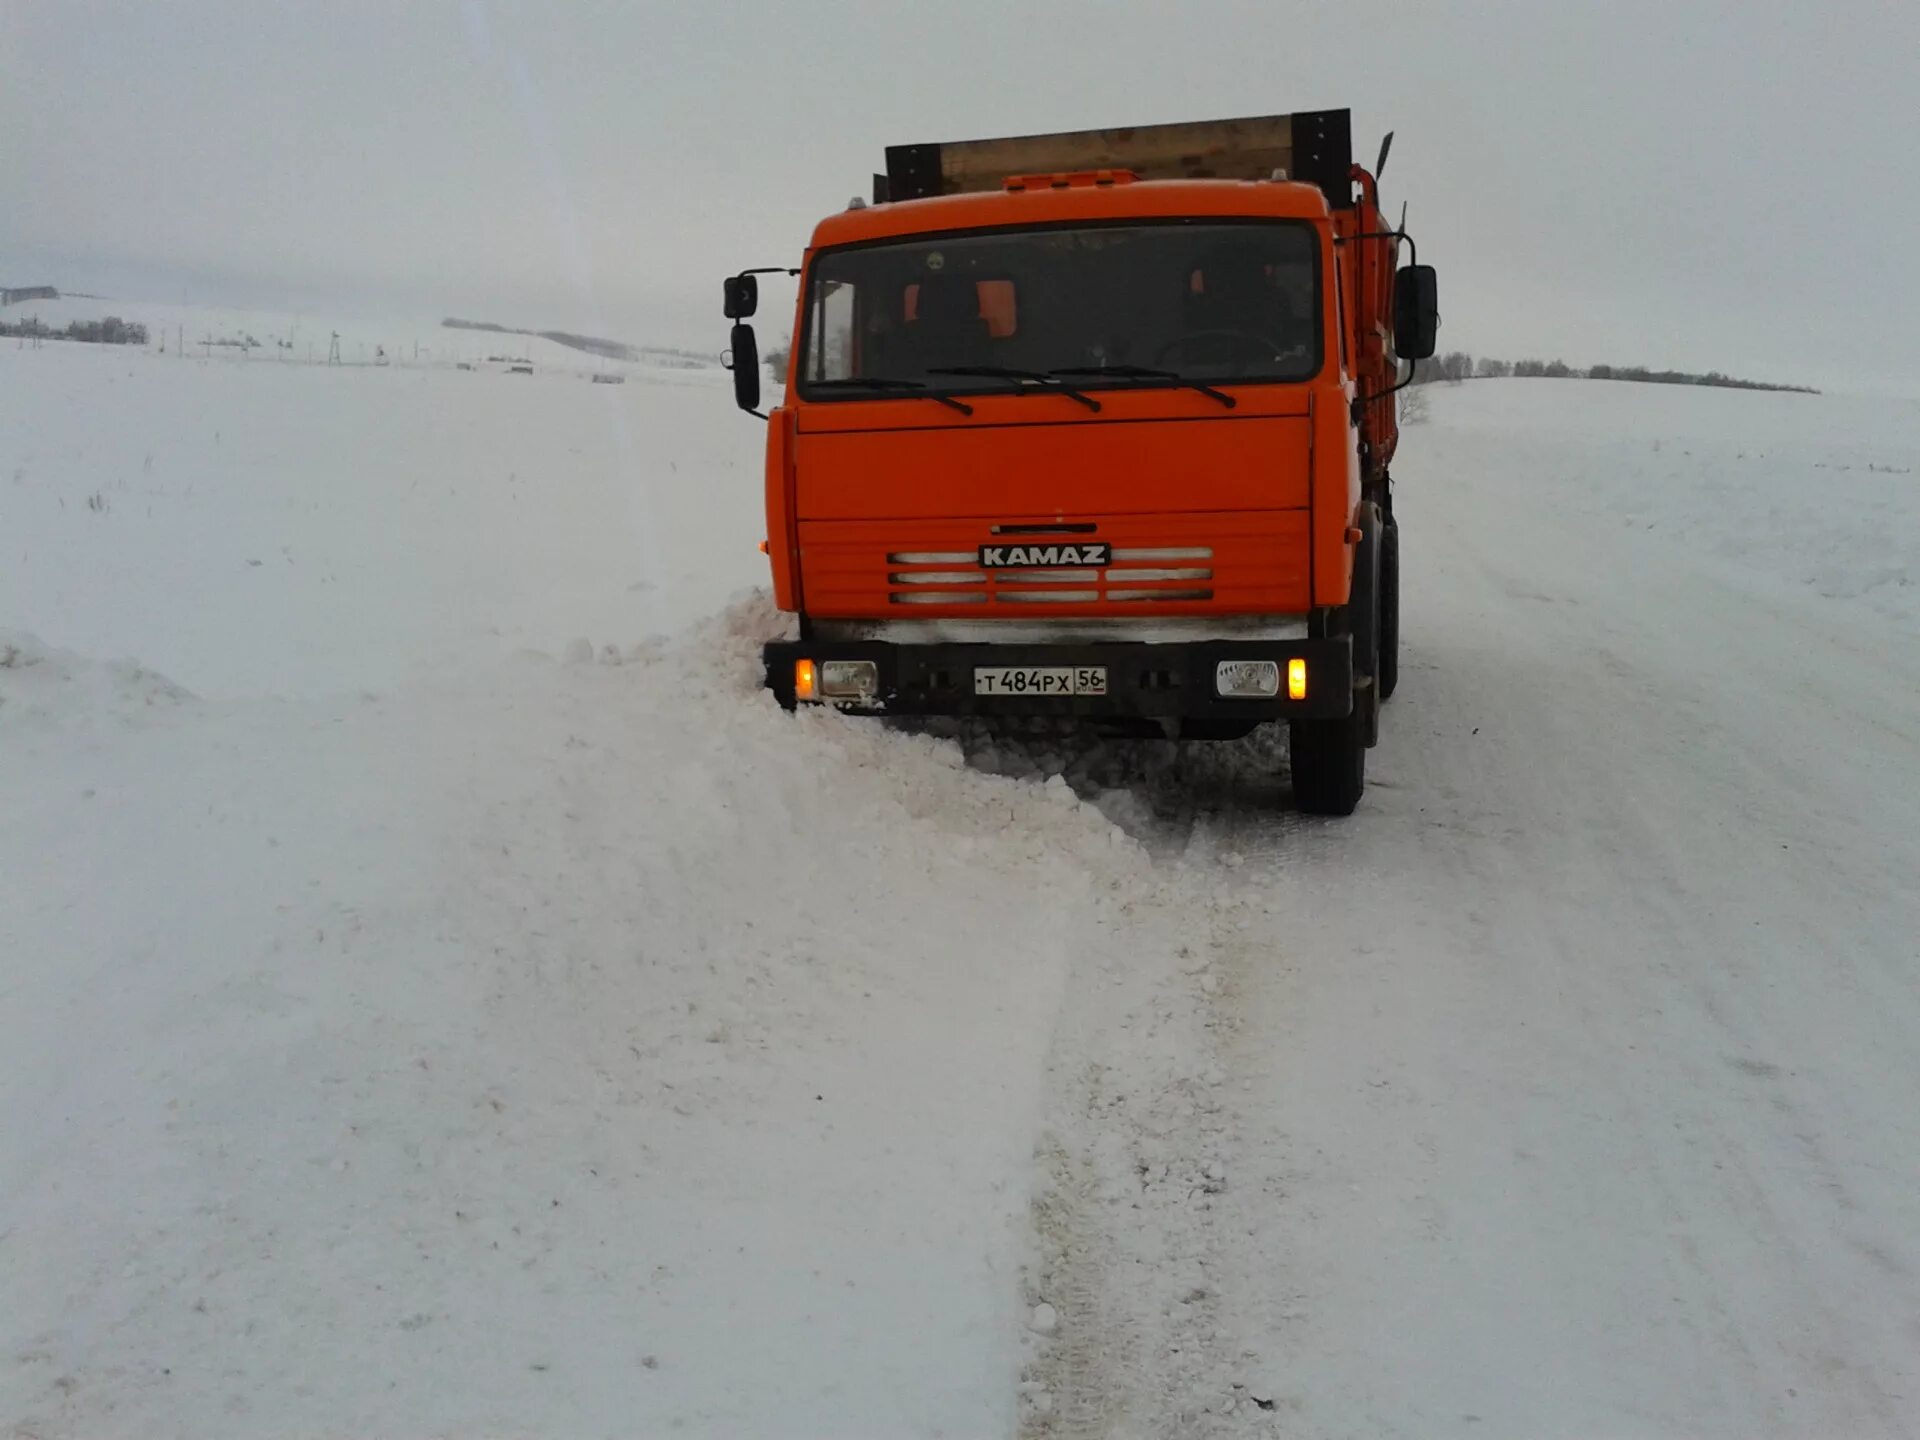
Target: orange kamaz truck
1098	426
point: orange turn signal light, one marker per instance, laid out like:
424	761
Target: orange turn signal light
763	548
1296	679
805	681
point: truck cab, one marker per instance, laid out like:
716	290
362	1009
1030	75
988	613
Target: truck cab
1102	441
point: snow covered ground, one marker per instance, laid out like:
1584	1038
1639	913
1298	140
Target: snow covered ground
440	995
249	527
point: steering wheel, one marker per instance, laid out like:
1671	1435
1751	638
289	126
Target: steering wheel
1263	343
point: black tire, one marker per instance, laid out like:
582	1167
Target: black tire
1329	762
1388	665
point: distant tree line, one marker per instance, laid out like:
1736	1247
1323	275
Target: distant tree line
1458	365
110	331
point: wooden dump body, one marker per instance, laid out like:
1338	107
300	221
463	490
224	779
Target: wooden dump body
1315	146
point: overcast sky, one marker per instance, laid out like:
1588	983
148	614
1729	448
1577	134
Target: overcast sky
1723	186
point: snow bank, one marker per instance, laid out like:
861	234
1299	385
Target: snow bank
39	683
571	1049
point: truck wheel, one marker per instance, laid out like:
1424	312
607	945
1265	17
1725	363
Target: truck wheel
1329	762
1388	663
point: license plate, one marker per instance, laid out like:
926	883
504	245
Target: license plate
1040	680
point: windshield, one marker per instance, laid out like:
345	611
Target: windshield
1219	301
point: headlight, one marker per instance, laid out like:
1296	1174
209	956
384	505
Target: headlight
849	679
1247	679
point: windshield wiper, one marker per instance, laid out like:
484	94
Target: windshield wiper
888	382
1001	372
1148	372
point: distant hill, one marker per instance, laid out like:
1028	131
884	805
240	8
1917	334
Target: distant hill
592	344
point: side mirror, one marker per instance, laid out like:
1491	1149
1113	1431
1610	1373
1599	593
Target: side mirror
743	358
1416	312
742	296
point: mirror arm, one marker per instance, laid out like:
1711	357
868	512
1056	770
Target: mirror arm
739	276
765	270
1360	402
1413	250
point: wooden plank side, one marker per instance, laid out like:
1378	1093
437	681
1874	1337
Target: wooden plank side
1246	149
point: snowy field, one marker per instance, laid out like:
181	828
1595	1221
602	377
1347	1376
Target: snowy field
440	995
267	528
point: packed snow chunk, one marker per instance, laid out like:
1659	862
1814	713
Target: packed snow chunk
1044	1320
42	682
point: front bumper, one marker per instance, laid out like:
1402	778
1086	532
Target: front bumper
1155	681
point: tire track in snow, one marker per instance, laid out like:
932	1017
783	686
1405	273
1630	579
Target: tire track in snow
1130	1160
1136	1175
1137	1195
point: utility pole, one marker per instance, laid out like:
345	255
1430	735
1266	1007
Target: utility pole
333	350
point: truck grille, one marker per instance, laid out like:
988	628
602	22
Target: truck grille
1245	562
1129	579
